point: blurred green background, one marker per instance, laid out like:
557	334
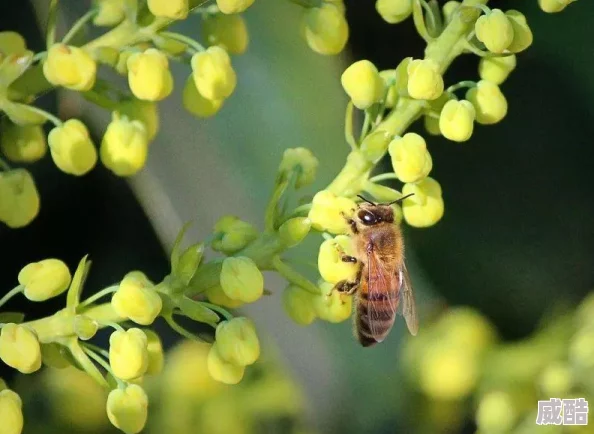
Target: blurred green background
516	240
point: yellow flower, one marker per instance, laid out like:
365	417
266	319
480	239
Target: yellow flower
227	31
375	145
363	84
410	158
174	9
70	67
137	299
299	305
45	279
456	121
23	144
426	207
233	6
332	306
496	69
424	79
19	348
213	74
124	147
127	409
11	413
109	12
294	230
237	341
329	213
394	11
302	160
490	104
522	33
143	111
553	6
149	77
71	148
241	279
496	413
221	370
495	31
155	353
332	268
448	10
325	29
216	295
233	235
196	104
19	198
128	353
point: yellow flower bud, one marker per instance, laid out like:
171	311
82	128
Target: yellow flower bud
84	327
237	342
363	84
19	198
332	268
124	147
329	213
22	144
426	207
11	43
424	79
70	67
128	353
227	31
556	380
174	9
302	160
155	353
375	145
389	77
467	327
196	104
410	158
143	111
109	12
495	31
241	279
137	299
448	10
149	77
332	306
394	11
581	349
234	235
299	304
325	29
213	74
293	231
221	370
233	6
19	348
127	409
431	125
496	413
216	296
490	104
11	413
71	148
522	33
496	69
456	121
44	279
553	6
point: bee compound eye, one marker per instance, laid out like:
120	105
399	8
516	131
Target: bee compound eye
367	217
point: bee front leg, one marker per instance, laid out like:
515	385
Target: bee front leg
347	258
346	287
351	223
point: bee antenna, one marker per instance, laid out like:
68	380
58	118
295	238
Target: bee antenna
401	199
365	200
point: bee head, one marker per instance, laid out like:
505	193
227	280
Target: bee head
370	213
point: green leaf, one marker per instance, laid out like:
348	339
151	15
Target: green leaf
73	296
197	311
188	263
13	317
175	254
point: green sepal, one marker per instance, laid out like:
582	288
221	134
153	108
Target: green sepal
197	311
175	253
21	114
12	317
76	286
188	263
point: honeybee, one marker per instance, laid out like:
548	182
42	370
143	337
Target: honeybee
382	282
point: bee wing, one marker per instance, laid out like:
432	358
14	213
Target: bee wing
407	298
382	292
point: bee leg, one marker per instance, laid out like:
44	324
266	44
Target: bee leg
347	258
351	223
346	287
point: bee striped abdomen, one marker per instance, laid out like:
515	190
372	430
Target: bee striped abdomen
375	316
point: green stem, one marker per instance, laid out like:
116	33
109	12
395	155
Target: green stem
4	165
429	11
228	316
50	117
52	15
419	21
113	325
383	177
348	126
179	329
270	213
97	358
11	293
307	3
97	349
83	360
294	276
461	85
366	125
184	39
78	25
98	295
